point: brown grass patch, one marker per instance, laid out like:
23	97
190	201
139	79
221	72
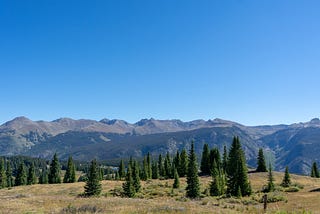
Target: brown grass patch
157	196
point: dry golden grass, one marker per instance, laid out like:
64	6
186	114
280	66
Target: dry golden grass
157	196
304	200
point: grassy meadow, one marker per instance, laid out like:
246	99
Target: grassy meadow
157	196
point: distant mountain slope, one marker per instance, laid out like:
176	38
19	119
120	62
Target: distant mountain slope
89	145
295	145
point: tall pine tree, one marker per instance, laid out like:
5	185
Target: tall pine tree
93	185
135	177
214	157
286	181
145	172
177	161
183	168
122	173
31	179
70	175
217	186
168	166
155	170
43	179
193	186
224	159
21	178
9	175
205	160
161	166
270	187
54	176
128	186
149	166
176	182
261	162
237	172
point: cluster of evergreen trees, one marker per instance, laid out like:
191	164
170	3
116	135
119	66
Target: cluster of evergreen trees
229	174
132	185
162	168
28	174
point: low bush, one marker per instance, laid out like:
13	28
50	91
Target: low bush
83	209
292	189
274	197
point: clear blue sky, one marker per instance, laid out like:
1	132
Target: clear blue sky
254	62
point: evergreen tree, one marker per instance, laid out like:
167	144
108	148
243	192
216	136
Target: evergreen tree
270	187
261	162
9	175
214	157
70	176
3	179
135	177
101	173
128	185
286	182
315	170
31	179
21	178
145	173
54	176
149	166
237	172
122	173
217	185
183	163
167	166
176	162
224	159
43	179
205	160
93	185
193	186
161	166
176	183
130	162
155	170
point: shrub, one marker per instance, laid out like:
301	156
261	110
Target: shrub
83	209
274	197
292	189
300	186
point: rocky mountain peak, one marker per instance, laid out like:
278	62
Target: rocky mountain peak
315	121
143	122
18	121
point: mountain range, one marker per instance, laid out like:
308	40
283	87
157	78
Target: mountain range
296	145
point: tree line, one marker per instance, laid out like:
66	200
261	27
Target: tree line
28	171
